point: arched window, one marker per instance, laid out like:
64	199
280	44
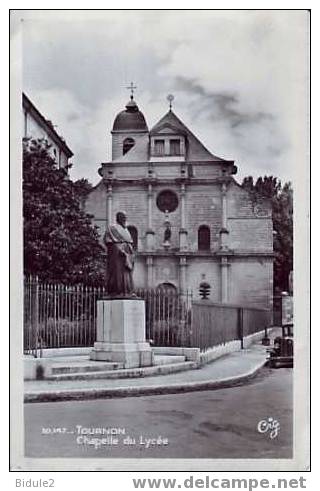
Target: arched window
165	307
204	238
134	234
127	145
167	287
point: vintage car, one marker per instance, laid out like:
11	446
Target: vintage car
281	354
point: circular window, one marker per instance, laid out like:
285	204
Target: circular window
167	201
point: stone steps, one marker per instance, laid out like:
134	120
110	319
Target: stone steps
83	366
160	369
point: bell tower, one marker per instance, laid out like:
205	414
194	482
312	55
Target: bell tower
129	128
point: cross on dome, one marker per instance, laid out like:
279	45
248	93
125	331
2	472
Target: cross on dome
132	87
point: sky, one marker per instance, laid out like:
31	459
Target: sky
239	80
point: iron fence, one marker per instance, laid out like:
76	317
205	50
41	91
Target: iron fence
168	316
61	316
58	315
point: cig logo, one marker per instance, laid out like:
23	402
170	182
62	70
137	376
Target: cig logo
269	425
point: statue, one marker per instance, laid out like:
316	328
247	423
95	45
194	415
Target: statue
120	259
167	234
121	326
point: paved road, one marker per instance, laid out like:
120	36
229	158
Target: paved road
209	424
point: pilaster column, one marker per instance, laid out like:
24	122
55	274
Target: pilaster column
183	233
150	232
149	262
224	265
224	204
150	195
183	274
109	203
183	205
224	230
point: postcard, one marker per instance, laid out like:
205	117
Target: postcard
159	231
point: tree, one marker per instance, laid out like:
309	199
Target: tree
60	242
282	214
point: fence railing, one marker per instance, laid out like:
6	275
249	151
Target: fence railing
168	316
214	324
60	316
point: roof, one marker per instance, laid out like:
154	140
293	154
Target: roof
47	125
131	119
197	151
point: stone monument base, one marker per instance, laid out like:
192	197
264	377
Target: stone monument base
121	333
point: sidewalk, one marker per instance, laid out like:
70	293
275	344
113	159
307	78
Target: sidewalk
233	369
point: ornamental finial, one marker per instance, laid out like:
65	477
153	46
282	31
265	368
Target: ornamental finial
170	98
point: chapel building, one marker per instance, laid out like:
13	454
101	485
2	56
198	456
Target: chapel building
193	226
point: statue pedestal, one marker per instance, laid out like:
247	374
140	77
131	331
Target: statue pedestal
121	333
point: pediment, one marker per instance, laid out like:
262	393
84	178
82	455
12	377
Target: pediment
168	129
171	124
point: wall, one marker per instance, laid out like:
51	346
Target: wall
121	171
240	203
131	199
167	169
166	270
140	273
251	281
253	234
203	207
249	223
205	170
118	139
204	269
96	206
249	278
34	130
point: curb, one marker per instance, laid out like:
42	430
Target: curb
136	391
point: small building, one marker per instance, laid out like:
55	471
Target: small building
194	227
36	126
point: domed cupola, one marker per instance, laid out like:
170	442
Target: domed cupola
131	119
129	127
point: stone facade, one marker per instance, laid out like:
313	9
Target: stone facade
218	235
